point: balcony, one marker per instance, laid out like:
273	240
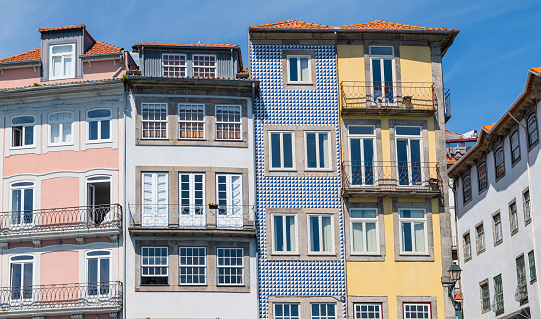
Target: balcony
447	99
48	300
60	222
388	98
415	179
235	220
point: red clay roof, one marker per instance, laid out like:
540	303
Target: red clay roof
224	45
291	24
25	56
244	71
102	48
385	25
69	27
488	127
536	70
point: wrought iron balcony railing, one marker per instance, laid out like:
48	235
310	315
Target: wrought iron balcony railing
418	96
447	99
101	295
60	219
372	176
235	217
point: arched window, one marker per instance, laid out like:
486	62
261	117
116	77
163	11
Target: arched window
500	162
482	176
532	130
60	128
99	125
515	147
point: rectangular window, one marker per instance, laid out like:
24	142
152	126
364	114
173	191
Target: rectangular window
230	268
281	150
22	131
420	310
22	277
192	199
155	199
482	176
382	67
500	162
154	265
527	206
532	130
22	204
204	66
485	296
513	216
174	64
191	121
323	311
98	272
521	293
286	311
364	230
413	230
299	68
154	120
497	223
60	128
229	200
320	233
228	122
317	150
409	155
99	125
467	247
515	147
285	233
531	263
361	145
466	188
480	238
498	294
368	310
192	265
62	61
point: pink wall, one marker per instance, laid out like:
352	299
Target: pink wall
100	70
61	161
60	192
60	267
19	77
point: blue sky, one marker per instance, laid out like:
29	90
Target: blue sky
485	68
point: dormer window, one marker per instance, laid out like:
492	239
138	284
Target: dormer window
62	62
204	65
174	65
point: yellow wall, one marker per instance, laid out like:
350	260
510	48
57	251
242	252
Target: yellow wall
350	63
415	64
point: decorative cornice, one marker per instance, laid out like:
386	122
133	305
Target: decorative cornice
114	238
80	240
3	246
37	243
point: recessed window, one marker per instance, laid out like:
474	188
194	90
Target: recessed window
204	65
497	223
482	176
286	311
412	310
527	206
62	61
228	122
230	268
191	121
368	310
281	150
467	247
60	125
99	125
285	233
532	130
317	150
192	265
192	200
22	271
513	217
154	199
485	296
320	233
22	204
229	199
361	145
299	67
500	162
154	120
98	272
480	232
522	287
154	265
22	131
515	147
323	311
498	294
364	230
466	188
413	232
382	65
174	64
531	262
409	154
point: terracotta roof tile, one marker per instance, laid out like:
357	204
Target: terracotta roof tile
25	56
102	48
385	25
78	26
244	71
536	70
224	45
291	24
488	127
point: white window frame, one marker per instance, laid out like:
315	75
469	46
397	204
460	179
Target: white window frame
295	234
110	257
143	265
191	106
333	242
99	120
31	260
363	221
317	133
227	122
210	67
282	151
205	266
298	316
380	58
61	125
354	165
299	57
24	126
357	308
162	106
230	266
413	220
158	214
417	304
14	186
326	316
181	67
51	64
409	138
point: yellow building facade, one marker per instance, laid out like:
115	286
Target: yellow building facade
393	110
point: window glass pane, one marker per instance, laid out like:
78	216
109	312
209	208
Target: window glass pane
290	233
314	233
361	130
68	66
408	130
358	240
327	233
62	49
23	120
288	150
275	146
371	240
419	229
323	150
311	156
93	131
55	133
406	237
29	135
57	67
381	51
293	70
92	270
105	130
304	69
99	113
278	233
66	128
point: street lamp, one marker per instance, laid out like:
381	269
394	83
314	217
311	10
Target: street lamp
454	272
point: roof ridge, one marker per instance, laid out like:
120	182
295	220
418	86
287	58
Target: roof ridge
388	25
13	57
191	44
74	26
292	24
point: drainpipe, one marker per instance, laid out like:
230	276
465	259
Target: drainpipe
125	219
121	65
233	66
256	221
531	205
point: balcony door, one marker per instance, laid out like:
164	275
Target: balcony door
229	200
22	205
192	200
382	67
361	146
99	200
155	199
409	155
98	272
22	271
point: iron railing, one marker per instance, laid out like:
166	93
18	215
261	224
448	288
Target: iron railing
447	100
390	176
236	217
61	219
388	95
85	295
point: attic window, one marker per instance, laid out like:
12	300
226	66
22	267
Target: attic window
174	65
204	65
62	61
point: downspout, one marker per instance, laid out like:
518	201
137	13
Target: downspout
233	71
531	205
124	232
455	209
256	220
121	65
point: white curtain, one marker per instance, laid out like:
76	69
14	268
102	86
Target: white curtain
419	231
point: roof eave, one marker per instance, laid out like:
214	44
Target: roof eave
189	47
20	64
102	56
